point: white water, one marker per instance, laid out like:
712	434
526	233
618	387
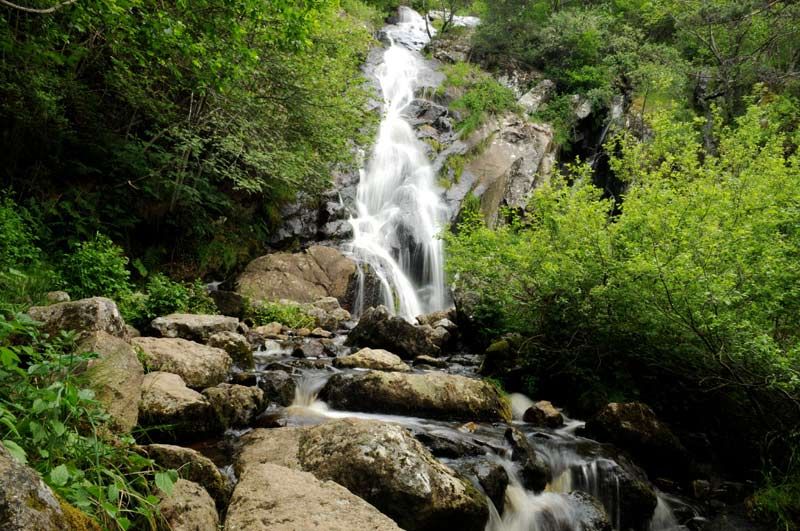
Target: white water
400	213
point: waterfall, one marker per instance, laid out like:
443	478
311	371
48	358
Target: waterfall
399	209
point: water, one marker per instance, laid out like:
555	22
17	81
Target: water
399	209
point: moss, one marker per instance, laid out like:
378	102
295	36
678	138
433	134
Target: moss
77	520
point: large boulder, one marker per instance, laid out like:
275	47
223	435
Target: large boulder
275	498
304	277
188	508
200	366
634	427
545	414
116	377
534	474
380	462
378	328
195	327
26	503
236	345
376	359
166	401
193	466
278	387
84	316
235	406
431	395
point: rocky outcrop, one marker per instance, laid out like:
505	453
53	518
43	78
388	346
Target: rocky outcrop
26	503
116	377
278	387
431	395
635	428
544	414
275	498
193	466
535	97
235	406
376	359
167	401
188	508
380	462
493	479
194	327
515	157
589	512
97	314
533	472
302	277
237	347
200	366
378	328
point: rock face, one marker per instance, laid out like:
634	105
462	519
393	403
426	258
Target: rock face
535	97
534	474
278	387
195	327
85	316
167	400
635	428
380	462
302	277
543	413
193	466
116	377
199	365
237	347
377	328
189	508
275	498
589	512
26	503
430	395
518	156
376	359
235	406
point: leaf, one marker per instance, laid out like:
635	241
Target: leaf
59	476
16	451
165	482
86	394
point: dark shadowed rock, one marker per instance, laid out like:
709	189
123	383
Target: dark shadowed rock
278	387
544	414
377	328
534	474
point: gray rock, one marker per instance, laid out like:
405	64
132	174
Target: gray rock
192	466
376	359
236	345
278	387
194	327
167	401
97	314
54	297
188	508
377	328
534	98
235	406
534	473
200	366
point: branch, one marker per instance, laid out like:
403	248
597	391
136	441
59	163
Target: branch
38	11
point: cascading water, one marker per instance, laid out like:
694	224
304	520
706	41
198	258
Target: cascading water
400	212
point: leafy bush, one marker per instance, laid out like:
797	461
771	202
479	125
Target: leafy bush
49	420
291	315
97	267
17	242
163	296
481	96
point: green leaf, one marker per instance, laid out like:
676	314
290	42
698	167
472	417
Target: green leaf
59	476
16	451
86	394
165	482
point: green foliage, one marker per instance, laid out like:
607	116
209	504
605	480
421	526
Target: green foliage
778	501
288	314
49	420
97	267
17	242
481	95
163	296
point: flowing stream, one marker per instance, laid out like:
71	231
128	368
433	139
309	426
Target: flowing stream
399	210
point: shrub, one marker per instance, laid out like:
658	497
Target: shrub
291	315
163	296
97	268
17	247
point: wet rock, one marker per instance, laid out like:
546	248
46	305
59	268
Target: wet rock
434	317
278	387
466	360
237	347
376	359
200	366
377	328
55	297
493	478
26	503
321	333
116	377
312	348
275	498
97	314
430	361
235	406
192	466
448	446
543	413
534	474
302	277
188	508
268	331
229	303
430	395
302	332
635	428
279	446
194	327
589	512
167	401
534	98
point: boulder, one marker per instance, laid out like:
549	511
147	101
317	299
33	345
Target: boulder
430	395
270	497
634	427
83	316
307	276
439	363
535	97
167	401
193	466
54	297
199	365
377	328
376	359
116	377
321	333
237	347
380	462
311	348
27	503
435	317
229	303
329	304
534	474
493	479
543	413
589	512
235	406
278	387
269	330
194	327
188	508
